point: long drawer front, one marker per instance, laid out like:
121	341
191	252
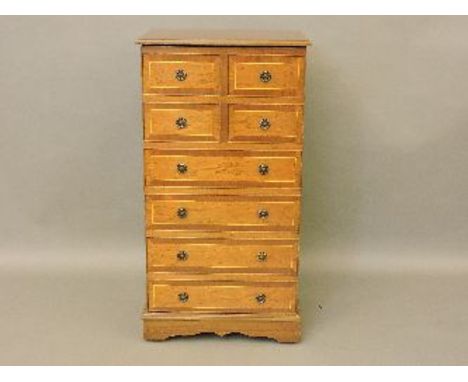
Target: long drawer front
222	213
228	168
219	296
190	256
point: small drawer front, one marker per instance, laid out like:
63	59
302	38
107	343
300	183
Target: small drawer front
182	122
266	75
181	74
216	257
229	297
261	170
269	123
222	214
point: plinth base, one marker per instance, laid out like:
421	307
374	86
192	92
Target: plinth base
280	327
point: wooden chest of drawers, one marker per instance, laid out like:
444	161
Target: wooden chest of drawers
223	130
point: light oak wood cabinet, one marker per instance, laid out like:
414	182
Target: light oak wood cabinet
223	122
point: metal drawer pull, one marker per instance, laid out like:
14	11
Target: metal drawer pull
263	214
262	256
182	256
261	298
263	169
180	75
182	168
265	76
181	123
264	124
182	213
183	297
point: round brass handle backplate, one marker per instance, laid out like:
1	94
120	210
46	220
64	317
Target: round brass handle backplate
263	169
262	256
261	298
264	124
182	168
182	255
181	123
183	297
263	214
182	213
265	76
180	75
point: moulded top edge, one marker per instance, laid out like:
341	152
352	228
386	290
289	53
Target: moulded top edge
238	38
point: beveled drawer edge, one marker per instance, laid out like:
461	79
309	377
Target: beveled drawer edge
244	147
271	236
294	192
229	99
195	316
220	278
211	270
299	51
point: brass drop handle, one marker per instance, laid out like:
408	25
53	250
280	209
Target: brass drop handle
181	123
182	213
263	169
182	168
182	255
180	75
261	298
263	214
183	297
265	76
262	256
264	124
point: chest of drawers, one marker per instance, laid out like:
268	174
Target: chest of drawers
223	130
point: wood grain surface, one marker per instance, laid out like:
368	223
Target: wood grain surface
287	73
219	256
284	123
221	168
203	74
223	132
230	297
173	122
223	214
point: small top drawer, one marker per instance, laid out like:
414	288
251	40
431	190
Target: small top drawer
181	74
266	75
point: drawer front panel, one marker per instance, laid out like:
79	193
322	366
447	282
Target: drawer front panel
228	297
269	123
258	170
266	75
181	74
182	122
216	257
227	214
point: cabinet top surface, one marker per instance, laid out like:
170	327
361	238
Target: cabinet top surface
224	38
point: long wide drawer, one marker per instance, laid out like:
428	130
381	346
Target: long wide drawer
232	296
189	256
222	213
218	168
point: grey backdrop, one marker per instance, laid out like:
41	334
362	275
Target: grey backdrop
385	210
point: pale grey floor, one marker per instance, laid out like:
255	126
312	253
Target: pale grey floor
84	313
